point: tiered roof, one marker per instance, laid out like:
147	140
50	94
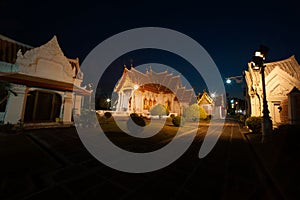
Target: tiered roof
289	65
162	82
28	57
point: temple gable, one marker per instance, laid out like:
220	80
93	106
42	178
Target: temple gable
46	61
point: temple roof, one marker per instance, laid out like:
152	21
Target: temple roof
52	54
9	49
204	98
162	82
289	65
33	81
2	37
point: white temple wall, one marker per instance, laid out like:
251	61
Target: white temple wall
15	104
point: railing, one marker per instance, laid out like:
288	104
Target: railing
8	67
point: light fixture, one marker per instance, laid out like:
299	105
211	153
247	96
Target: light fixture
228	81
258	64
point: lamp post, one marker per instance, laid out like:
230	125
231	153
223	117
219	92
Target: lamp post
258	64
108	100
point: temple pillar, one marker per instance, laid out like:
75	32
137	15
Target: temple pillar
15	105
119	102
67	112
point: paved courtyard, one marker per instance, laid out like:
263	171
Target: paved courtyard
53	164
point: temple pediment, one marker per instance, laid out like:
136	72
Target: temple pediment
280	90
47	61
289	65
279	82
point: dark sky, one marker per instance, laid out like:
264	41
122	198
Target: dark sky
229	30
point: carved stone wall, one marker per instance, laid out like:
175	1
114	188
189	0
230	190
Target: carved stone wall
47	61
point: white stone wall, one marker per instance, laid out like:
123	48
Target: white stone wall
15	105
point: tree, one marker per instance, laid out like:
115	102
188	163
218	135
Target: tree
159	110
195	113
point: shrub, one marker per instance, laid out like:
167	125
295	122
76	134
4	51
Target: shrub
195	113
135	123
133	115
159	110
241	118
178	121
254	124
107	115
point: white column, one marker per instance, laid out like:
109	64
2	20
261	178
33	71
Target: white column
118	108
14	107
67	107
77	104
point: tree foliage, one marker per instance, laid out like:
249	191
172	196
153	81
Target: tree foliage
159	109
254	124
135	123
195	113
178	121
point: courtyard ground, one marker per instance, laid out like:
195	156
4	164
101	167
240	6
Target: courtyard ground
53	164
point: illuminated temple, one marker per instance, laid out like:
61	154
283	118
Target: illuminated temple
282	79
139	92
45	85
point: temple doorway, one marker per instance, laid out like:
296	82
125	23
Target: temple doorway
42	106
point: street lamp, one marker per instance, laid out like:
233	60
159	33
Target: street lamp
237	79
257	64
108	100
228	81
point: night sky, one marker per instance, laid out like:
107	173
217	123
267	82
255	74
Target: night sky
229	31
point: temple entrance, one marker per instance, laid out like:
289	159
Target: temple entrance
276	113
42	106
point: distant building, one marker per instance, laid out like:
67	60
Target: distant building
206	102
139	92
282	80
46	84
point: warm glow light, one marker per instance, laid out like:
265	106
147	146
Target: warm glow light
259	54
135	87
107	100
254	66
